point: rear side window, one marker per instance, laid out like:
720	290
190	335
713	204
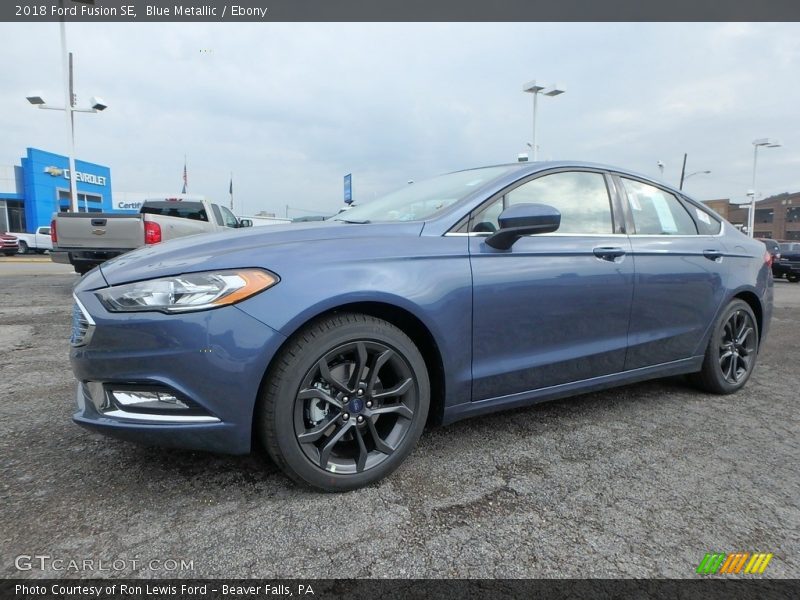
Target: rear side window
707	224
184	210
656	212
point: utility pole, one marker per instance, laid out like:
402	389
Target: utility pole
683	171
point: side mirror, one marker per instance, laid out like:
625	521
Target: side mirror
245	222
523	219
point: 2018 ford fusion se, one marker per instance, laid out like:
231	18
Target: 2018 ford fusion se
333	343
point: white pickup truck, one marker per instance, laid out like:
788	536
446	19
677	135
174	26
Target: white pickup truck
85	240
38	242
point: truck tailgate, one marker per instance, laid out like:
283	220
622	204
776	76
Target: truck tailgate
99	230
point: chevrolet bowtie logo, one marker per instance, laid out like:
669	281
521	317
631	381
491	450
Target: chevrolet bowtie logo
99	231
54	171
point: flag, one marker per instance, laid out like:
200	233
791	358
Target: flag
185	178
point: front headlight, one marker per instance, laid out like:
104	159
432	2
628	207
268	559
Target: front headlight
182	293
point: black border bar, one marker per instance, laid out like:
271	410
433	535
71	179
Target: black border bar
400	10
708	588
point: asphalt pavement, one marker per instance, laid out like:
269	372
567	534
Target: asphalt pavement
640	481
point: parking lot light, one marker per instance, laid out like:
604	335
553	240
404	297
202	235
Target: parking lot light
534	88
759	143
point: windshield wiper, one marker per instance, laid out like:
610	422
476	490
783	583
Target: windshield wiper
354	221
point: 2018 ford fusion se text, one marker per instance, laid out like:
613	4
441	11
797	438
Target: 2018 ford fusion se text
333	343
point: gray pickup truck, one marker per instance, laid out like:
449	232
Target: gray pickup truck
85	240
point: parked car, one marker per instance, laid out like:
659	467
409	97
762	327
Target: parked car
8	244
333	343
85	240
788	261
38	242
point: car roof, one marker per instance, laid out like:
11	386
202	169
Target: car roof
529	168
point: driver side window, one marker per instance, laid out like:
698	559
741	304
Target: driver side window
581	197
228	217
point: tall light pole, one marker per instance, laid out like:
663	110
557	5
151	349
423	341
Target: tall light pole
751	217
69	106
692	175
533	88
96	105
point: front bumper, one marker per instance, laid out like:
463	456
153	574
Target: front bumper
213	360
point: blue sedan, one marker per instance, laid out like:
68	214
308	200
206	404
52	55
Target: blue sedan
334	343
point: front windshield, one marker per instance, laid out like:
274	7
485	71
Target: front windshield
418	201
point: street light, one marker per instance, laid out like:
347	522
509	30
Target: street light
96	105
751	217
69	105
533	88
692	175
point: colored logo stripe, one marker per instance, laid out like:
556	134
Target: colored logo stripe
758	563
714	562
734	562
710	563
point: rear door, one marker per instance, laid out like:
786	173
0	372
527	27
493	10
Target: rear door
554	308
680	263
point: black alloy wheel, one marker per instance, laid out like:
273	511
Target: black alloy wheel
344	402
354	407
731	353
737	346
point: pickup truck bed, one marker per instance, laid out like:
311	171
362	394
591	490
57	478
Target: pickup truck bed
88	239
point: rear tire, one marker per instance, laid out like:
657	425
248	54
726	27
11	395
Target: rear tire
732	351
344	403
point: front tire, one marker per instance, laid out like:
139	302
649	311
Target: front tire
23	247
344	403
793	277
732	351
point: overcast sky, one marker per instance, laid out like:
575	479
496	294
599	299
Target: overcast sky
291	108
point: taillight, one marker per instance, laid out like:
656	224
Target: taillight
53	236
152	232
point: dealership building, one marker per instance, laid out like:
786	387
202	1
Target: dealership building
39	186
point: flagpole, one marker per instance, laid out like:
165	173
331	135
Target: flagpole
231	191
185	177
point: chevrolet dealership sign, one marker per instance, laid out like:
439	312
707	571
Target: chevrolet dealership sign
84	177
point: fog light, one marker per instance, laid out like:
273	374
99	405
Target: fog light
148	400
155	404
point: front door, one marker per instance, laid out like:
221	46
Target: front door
555	307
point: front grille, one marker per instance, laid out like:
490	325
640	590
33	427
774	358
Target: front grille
82	326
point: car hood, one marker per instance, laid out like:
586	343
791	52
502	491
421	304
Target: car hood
237	248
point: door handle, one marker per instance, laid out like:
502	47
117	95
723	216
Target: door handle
608	253
712	254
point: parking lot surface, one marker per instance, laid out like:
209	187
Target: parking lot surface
640	481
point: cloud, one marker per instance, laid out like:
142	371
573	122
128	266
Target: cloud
289	108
